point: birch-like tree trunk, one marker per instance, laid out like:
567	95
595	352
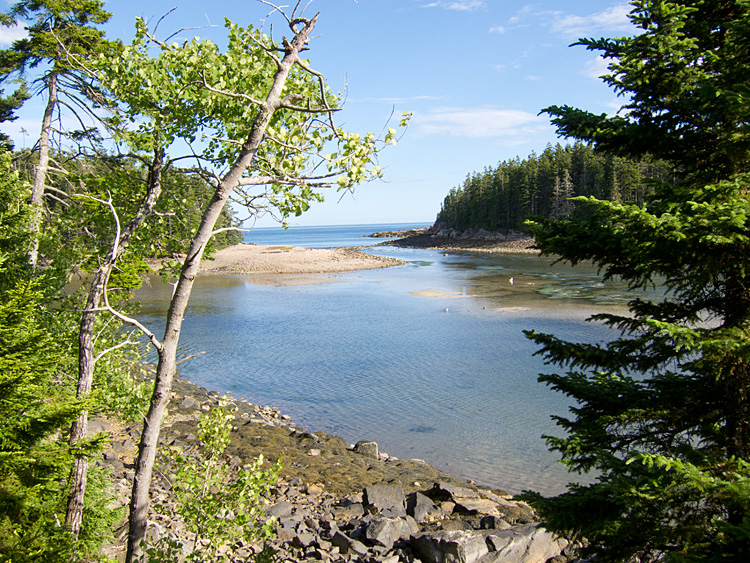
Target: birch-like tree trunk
167	363
42	167
86	340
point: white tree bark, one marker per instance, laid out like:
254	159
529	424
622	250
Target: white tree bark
86	340
42	167
166	367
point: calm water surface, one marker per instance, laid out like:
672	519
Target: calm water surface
427	359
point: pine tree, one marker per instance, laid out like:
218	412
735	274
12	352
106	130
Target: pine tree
662	414
58	31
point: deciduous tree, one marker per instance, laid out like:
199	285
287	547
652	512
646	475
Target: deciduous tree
260	122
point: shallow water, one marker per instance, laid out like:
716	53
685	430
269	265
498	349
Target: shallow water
366	355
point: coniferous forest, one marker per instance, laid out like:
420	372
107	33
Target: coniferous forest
503	197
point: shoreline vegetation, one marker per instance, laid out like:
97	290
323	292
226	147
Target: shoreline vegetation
440	237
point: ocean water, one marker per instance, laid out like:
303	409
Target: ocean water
427	359
326	236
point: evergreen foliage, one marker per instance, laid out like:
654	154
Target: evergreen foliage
55	30
36	403
662	413
502	198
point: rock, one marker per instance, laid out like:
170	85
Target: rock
443	490
477	506
452	525
387	500
280	509
303	540
347	544
447	507
348	512
422	508
409	527
493	523
367	448
523	544
190	403
313	489
450	547
384	531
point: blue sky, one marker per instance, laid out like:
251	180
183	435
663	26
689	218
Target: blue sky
475	74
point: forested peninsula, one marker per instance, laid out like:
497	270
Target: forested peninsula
503	197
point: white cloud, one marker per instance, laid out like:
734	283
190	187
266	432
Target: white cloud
483	122
457	5
498	29
595	68
613	19
10	34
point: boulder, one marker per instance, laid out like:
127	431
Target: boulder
422	508
280	509
493	523
523	544
443	490
451	525
458	546
349	511
190	403
388	500
477	506
367	448
347	544
384	531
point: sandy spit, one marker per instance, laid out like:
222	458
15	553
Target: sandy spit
259	259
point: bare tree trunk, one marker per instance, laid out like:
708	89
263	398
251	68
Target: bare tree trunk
42	166
86	341
166	367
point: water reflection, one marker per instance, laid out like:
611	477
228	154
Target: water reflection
428	359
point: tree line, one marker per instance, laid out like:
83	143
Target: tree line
503	197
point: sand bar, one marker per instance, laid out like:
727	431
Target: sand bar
246	259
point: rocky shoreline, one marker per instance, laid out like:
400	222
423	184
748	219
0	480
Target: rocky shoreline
334	501
440	237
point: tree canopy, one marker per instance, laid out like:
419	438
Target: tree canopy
662	414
